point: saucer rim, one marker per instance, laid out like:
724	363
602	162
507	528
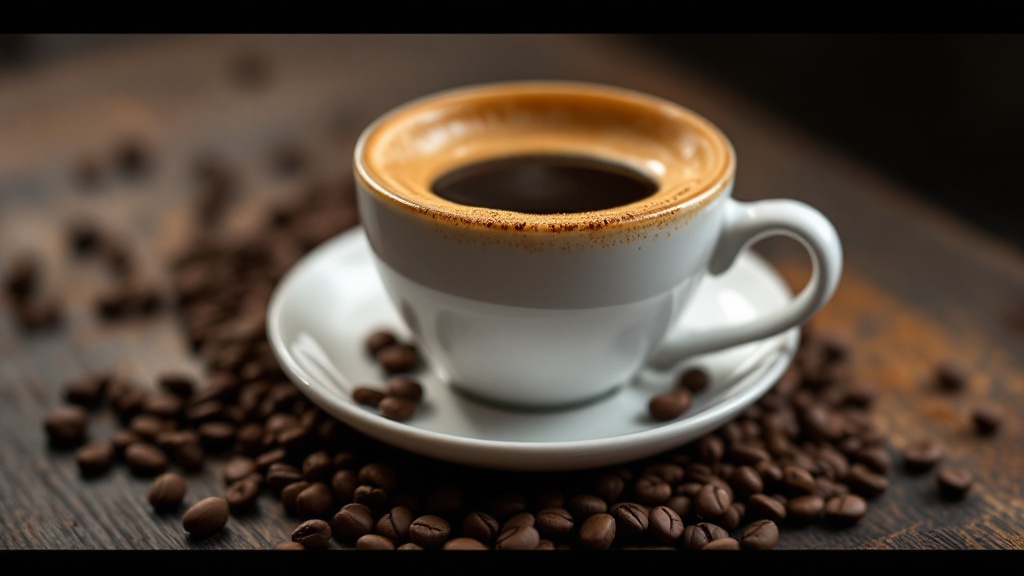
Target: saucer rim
556	455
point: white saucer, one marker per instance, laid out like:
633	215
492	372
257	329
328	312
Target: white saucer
323	309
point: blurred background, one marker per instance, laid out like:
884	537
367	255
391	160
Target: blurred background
941	113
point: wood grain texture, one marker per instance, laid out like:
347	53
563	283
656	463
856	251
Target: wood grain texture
918	286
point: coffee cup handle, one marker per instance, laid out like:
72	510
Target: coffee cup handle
743	224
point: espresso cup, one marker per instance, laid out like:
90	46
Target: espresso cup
540	238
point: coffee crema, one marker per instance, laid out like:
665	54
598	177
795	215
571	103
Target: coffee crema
544	184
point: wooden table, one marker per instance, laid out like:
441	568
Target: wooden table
919	286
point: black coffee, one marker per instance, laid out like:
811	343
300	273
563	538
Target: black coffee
544	184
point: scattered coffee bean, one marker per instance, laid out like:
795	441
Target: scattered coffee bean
480	526
205	517
954	482
241	495
316	501
697	536
670	405
598	532
712	501
405	387
760	535
398	358
145	459
845	510
351	522
988	417
379	340
695	380
374	542
395	524
396	408
312	534
368	396
518	538
665	525
805	509
88	391
65	426
429	531
923	455
167	491
726	543
95	458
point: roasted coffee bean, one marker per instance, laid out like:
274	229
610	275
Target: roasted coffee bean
545	545
318	467
379	340
429	531
316	501
954	482
314	533
670	405
241	495
264	460
695	380
409	546
681	505
95	458
608	486
149	426
583	506
464	543
745	482
351	522
163	405
167	491
762	506
667	471
733	517
665	525
374	542
395	524
805	509
288	545
518	538
344	483
290	493
951	375
863	481
206	516
405	387
396	408
759	535
922	455
845	510
238	467
145	459
121	439
88	391
217	437
598	532
651	490
517	520
368	396
380	475
797	481
876	458
280	474
184	449
630	518
553	523
987	417
65	426
480	526
712	501
374	497
398	358
726	543
711	449
748	454
697	536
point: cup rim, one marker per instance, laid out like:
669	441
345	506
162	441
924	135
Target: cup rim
642	213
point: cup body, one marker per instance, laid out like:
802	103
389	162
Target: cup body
542	311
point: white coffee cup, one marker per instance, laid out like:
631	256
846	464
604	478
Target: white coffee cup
547	310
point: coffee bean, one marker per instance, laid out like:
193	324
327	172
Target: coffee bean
586	505
668	471
922	455
145	459
238	467
733	517
797	481
762	506
65	426
670	405
712	501
405	387
395	524
290	493
167	491
987	417
344	483
288	545
665	525
598	532
398	358
845	510
954	482
314	533
121	439
745	482
697	536
695	380
652	490
429	531
711	449
518	538
241	495
517	520
379	340
380	475
374	497
630	518
759	535
163	405
396	408
464	543
368	396
553	523
876	458
316	501
217	437
280	474
205	517
318	467
148	426
88	391
95	458
351	522
805	509
748	454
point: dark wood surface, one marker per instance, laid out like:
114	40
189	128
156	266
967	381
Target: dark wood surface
919	286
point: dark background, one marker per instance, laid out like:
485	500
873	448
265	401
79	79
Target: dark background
942	113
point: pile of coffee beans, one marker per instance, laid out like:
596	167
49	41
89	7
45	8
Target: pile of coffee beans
807	452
